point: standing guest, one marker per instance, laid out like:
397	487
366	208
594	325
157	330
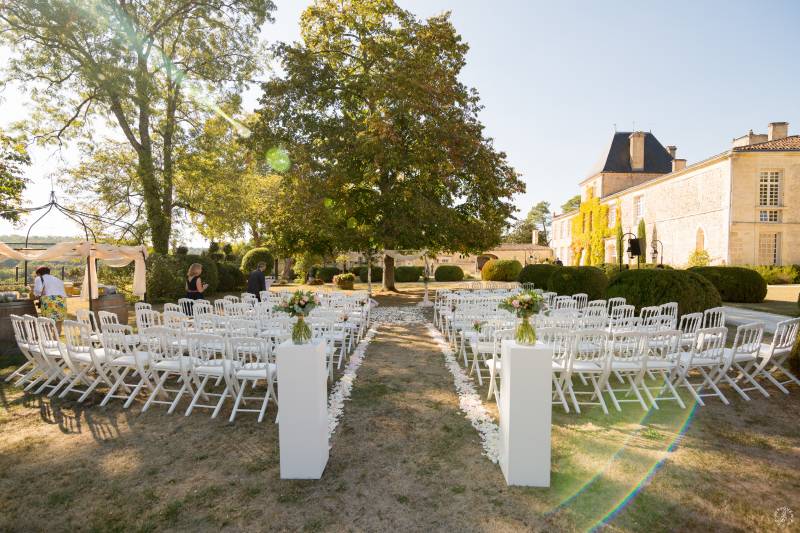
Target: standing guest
558	262
52	296
194	285
257	280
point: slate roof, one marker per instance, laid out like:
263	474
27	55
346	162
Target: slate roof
787	144
617	158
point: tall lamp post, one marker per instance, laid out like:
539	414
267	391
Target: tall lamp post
656	254
619	253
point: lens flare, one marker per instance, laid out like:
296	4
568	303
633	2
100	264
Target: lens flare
278	159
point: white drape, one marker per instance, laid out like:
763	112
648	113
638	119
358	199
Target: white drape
112	255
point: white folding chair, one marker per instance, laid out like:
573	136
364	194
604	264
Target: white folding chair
714	317
186	306
742	359
707	358
777	353
123	356
208	356
252	363
588	357
581	299
29	368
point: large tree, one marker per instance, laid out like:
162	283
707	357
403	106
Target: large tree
572	204
381	131
538	219
148	67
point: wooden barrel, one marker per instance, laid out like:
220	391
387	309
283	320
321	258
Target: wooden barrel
19	307
113	303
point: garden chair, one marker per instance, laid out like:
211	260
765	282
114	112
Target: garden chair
778	352
252	363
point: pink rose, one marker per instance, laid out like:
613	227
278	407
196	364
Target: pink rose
515	303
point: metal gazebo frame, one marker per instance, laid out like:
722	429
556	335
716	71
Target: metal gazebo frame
76	216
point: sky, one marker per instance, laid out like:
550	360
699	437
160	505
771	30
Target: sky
557	78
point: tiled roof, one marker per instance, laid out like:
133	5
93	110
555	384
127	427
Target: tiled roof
787	144
617	157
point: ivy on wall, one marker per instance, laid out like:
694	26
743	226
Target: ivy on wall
590	231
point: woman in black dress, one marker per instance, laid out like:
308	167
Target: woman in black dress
194	285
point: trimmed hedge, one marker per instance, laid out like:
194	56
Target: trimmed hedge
377	274
777	275
501	270
253	257
579	279
407	274
326	274
166	276
735	284
655	286
345	281
448	273
537	274
230	277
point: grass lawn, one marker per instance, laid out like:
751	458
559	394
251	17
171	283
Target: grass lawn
403	458
780	299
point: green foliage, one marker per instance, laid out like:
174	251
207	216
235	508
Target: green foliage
612	268
399	159
590	230
576	279
345	281
255	256
181	250
572	204
326	274
735	284
641	234
13	160
377	274
145	67
217	256
406	274
448	273
699	258
537	274
165	278
231	278
777	275
501	270
121	278
646	287
539	218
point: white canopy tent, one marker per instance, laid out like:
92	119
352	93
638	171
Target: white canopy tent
112	255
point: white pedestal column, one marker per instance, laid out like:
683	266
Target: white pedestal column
525	413
303	414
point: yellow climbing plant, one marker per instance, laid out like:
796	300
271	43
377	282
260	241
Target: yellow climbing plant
590	231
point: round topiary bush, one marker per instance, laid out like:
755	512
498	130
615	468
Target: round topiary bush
326	274
407	274
345	281
181	250
537	274
377	274
735	284
578	279
210	273
448	273
255	256
645	287
501	270
230	277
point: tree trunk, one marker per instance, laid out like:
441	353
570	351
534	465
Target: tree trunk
288	264
388	273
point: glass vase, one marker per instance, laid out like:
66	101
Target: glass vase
525	333
301	333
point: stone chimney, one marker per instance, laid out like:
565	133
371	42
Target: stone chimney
777	130
678	164
672	149
535	237
637	150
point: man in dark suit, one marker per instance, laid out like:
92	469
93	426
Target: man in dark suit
257	280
